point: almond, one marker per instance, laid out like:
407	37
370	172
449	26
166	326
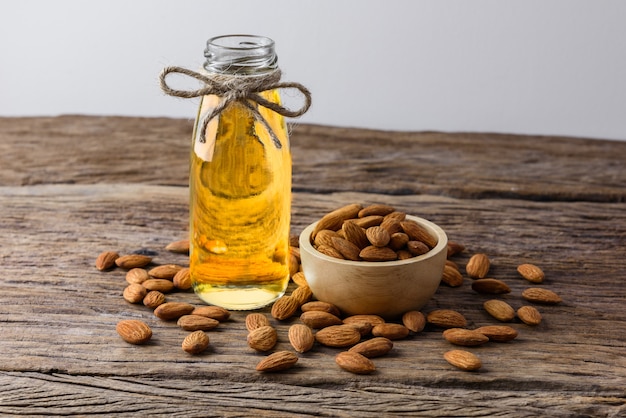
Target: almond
301	338
215	312
454	248
137	275
375	209
153	299
134	293
531	272
465	337
299	279
373	253
490	286
529	315
404	255
417	232
377	236
318	305
162	285
294	240
390	330
302	294
355	362
330	251
165	271
173	310
324	238
398	241
334	219
368	221
338	336
319	319
278	361
196	342
364	328
197	323
179	247
294	264
134	331
446	318
500	310
417	248
130	261
463	360
182	279
106	260
355	234
415	321
451	276
478	266
348	250
375	347
539	295
373	320
285	307
498	332
263	338
256	320
391	223
295	250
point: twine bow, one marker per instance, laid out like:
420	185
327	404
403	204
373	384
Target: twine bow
242	89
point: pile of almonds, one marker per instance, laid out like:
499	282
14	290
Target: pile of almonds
375	229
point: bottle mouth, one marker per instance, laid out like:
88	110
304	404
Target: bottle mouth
240	54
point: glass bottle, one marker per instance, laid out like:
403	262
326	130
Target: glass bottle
240	187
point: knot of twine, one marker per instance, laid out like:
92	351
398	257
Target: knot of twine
244	90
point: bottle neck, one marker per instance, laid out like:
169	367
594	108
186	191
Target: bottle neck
240	55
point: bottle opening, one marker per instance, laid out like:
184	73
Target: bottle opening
240	54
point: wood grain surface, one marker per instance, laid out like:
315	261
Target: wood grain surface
73	186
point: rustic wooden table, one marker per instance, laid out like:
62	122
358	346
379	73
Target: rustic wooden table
73	186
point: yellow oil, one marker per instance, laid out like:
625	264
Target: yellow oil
240	205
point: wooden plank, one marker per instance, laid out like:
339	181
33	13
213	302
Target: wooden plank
89	149
58	313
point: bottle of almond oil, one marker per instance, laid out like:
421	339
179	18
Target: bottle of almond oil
240	184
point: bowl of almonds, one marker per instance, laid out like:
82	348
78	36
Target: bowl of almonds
373	259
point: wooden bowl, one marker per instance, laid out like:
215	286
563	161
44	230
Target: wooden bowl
386	288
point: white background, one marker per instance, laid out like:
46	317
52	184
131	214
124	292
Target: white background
553	67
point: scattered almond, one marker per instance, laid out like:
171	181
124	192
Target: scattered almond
302	294
278	361
301	338
197	323
285	307
134	331
529	315
319	319
375	347
179	247
454	248
134	293
451	276
263	338
446	318
165	271
162	285
465	337
373	320
355	362
106	260
318	305
130	261
215	312
299	279
498	332
390	330
540	295
531	272
173	310
196	342
478	266
500	310
256	320
137	275
182	279
463	360
153	299
490	286
338	336
415	321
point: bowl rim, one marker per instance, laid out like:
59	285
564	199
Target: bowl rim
442	242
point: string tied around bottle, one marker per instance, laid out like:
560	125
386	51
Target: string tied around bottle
241	89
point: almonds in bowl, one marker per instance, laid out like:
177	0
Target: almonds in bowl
384	272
